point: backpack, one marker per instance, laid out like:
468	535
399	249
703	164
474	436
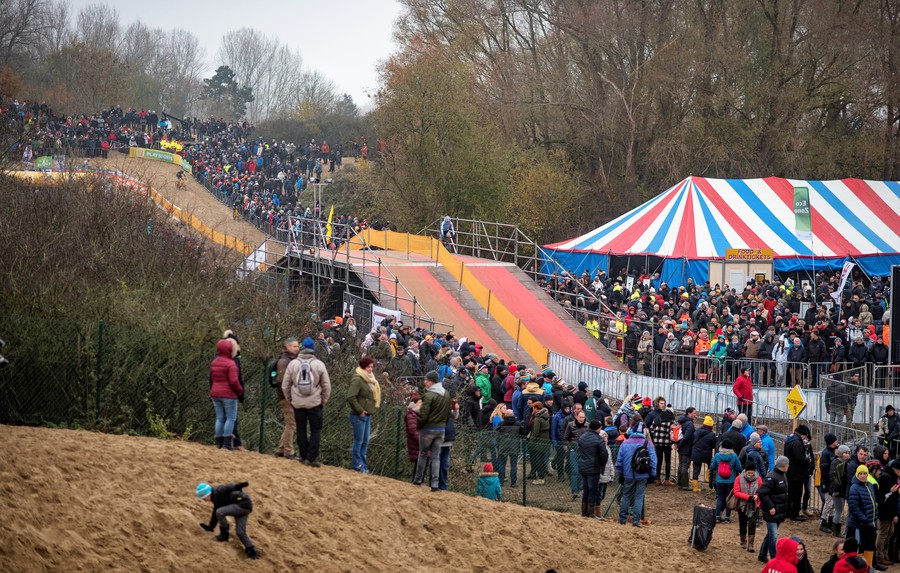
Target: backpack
840	472
272	373
676	433
724	470
304	382
640	461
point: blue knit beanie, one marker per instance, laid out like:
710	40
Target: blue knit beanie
203	490
309	343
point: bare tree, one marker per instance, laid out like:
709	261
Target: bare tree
98	25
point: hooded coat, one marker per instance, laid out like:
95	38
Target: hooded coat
223	373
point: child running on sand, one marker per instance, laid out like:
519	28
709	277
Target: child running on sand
229	499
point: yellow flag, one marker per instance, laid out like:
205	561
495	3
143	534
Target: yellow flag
328	226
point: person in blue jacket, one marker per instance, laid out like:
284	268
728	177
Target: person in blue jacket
725	468
768	445
862	511
489	484
518	401
634	484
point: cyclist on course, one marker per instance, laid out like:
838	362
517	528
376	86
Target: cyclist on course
447	231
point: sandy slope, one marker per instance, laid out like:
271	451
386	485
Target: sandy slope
80	501
194	198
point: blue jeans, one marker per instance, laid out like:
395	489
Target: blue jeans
500	465
575	478
226	414
632	499
722	490
767	547
361	425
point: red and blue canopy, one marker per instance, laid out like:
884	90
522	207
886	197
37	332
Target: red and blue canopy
699	218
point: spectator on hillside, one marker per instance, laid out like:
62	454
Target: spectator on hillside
307	387
433	416
285	447
364	398
225	389
633	473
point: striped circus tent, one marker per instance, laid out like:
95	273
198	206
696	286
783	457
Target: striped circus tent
695	221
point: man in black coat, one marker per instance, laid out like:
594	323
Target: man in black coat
773	501
795	452
886	497
684	446
738	441
592	459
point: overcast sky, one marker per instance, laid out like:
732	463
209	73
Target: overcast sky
344	39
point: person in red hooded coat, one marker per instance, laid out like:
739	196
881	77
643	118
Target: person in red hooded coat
785	560
225	389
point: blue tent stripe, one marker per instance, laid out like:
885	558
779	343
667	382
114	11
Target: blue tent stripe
666	226
894	186
604	231
851	217
720	243
769	218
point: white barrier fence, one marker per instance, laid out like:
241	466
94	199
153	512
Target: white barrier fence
714	398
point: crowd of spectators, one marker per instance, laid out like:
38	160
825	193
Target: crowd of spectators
654	327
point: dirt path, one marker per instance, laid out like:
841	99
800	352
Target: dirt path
82	501
194	198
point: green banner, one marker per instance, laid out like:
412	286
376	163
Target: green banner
159	155
801	212
43	162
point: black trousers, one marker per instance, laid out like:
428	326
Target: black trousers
795	497
308	446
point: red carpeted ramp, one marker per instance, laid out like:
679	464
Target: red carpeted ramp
546	325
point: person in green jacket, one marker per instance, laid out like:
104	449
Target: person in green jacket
483	382
433	415
539	442
718	351
364	398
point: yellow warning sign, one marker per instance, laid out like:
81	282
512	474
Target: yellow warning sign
796	401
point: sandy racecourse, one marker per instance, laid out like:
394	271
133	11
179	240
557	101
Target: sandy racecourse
194	198
79	501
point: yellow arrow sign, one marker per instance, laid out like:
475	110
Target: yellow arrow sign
796	401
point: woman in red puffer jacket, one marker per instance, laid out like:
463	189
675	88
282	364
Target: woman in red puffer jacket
224	389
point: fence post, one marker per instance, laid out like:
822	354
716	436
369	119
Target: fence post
518	330
524	474
264	395
99	367
487	311
396	293
462	268
414	311
397	444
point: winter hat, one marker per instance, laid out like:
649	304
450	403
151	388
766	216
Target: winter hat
488	467
483	367
597	394
433	376
647	401
830	439
203	490
708	421
895	465
782	462
754	438
308	343
595	425
638	428
750	466
862	469
843	450
737	424
582	385
513	368
802	430
415	397
727	444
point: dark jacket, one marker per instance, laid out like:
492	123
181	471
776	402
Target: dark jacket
833	487
795	451
704	444
738	441
886	499
229	494
773	493
592	453
687	436
509	435
825	458
280	367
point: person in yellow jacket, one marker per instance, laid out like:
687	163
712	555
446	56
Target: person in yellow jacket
593	327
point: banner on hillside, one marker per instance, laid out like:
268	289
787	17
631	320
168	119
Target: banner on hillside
379	313
845	274
43	163
801	213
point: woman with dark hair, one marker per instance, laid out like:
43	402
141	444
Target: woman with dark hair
803	564
364	397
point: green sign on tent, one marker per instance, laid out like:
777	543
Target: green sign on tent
801	213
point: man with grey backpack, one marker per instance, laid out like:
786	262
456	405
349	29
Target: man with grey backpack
307	387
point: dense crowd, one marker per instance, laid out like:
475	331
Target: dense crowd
46	132
653	327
